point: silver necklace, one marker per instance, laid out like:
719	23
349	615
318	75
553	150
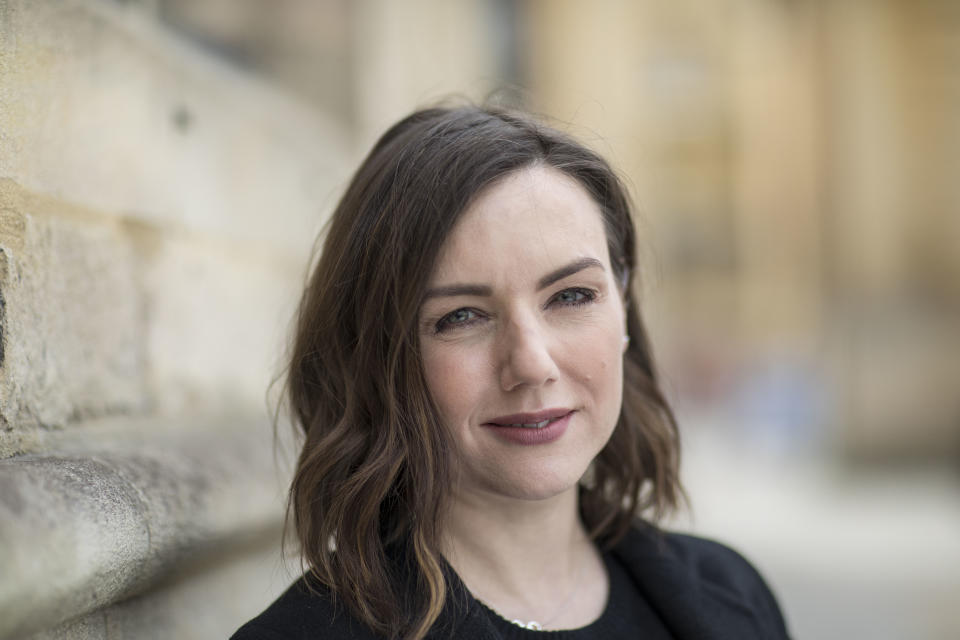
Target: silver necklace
537	626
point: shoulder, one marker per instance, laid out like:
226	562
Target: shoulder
305	610
715	563
701	574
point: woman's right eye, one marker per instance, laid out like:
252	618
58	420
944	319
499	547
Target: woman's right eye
458	318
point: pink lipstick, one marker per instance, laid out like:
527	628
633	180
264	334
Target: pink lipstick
540	427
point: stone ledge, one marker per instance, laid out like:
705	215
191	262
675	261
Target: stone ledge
84	525
207	599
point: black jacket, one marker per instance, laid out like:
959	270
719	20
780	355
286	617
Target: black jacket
702	590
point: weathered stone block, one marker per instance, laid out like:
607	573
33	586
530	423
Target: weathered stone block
72	320
105	107
217	315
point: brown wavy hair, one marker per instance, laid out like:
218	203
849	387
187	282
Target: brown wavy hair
372	479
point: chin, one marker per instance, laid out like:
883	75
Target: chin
544	487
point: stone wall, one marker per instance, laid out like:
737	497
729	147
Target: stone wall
157	208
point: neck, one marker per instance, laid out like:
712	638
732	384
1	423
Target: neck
518	556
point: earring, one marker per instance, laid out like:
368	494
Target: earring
626	341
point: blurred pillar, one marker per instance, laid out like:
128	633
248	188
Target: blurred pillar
777	181
893	197
413	53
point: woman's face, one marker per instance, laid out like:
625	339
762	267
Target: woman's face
522	336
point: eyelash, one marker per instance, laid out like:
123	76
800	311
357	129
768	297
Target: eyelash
443	324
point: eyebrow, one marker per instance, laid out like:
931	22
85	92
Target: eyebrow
568	270
459	290
483	290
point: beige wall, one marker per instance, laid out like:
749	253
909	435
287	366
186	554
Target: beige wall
157	207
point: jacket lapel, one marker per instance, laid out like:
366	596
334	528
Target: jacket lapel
692	608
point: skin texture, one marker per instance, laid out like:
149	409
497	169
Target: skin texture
514	345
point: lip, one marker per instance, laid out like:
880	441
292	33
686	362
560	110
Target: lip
528	418
532	435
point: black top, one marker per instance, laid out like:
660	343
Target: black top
627	615
700	590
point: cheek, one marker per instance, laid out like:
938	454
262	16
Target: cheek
599	361
449	383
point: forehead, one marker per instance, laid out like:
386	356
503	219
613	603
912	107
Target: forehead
535	218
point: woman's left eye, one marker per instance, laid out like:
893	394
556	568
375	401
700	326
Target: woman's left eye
573	297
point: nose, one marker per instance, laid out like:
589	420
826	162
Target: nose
525	356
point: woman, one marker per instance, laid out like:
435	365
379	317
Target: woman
482	418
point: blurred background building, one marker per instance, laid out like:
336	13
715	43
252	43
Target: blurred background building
166	164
